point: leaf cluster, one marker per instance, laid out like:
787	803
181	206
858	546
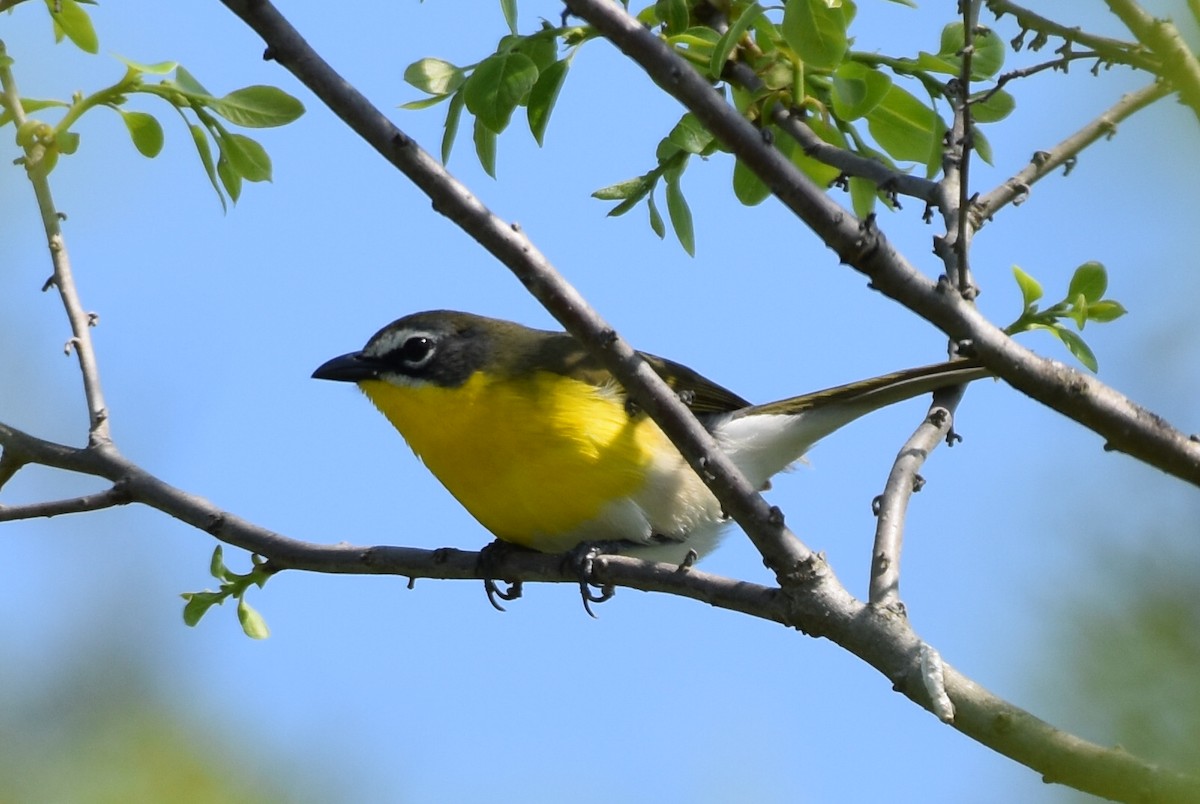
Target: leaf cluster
524	71
802	59
233	586
238	157
1084	302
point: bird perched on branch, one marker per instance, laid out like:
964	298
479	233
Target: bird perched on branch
542	445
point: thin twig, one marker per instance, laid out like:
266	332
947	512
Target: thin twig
1179	64
1016	189
953	248
1117	51
902	482
109	498
80	320
848	162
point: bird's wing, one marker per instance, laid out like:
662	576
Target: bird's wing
565	356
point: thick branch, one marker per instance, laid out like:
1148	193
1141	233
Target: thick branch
813	603
763	523
1125	426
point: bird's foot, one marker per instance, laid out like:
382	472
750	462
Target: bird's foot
489	558
580	560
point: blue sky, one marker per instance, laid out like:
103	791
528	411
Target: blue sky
211	323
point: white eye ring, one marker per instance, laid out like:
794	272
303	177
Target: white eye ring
417	350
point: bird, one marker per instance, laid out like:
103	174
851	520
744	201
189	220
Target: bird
542	445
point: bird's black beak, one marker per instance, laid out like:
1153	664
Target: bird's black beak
353	367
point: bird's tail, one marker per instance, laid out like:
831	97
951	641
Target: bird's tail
765	439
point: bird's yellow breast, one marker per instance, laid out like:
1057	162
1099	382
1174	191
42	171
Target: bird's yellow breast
532	459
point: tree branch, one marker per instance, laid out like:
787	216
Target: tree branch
1017	188
1126	426
813	603
811	597
1179	64
902	482
1117	51
847	162
763	523
108	498
81	322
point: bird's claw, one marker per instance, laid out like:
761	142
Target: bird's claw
582	560
513	592
490	556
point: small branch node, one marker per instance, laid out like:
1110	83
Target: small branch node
933	679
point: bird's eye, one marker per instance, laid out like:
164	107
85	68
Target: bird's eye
417	350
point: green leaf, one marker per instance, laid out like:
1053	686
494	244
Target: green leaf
730	39
656	221
252	622
623	189
1078	347
73	21
159	68
434	76
1105	311
67	142
543	97
497	86
690	135
863	194
748	187
423	103
997	107
246	156
188	83
1031	289
816	30
509	7
628	204
674	15
681	216
1090	281
983	146
200	140
1078	311
988	57
216	565
950	65
257	107
904	127
857	89
450	128
541	48
485	147
198	604
986	60
231	180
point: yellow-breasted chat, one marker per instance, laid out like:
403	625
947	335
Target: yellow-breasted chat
541	445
